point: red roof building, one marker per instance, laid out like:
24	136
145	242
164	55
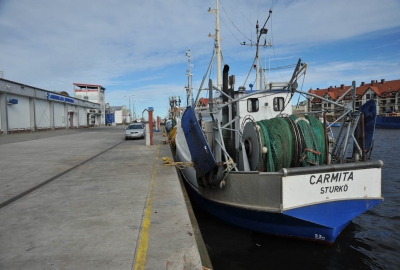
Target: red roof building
385	93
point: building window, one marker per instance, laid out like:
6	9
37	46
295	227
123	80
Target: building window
252	105
278	104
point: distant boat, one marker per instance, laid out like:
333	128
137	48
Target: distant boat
329	124
388	120
332	125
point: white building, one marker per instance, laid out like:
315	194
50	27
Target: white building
122	114
300	108
93	93
25	108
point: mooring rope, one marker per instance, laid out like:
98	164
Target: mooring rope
180	165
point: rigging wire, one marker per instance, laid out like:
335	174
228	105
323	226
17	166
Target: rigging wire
233	25
241	12
282	67
250	39
229	28
302	84
273	47
288	100
248	74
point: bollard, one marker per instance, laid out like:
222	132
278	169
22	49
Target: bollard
150	112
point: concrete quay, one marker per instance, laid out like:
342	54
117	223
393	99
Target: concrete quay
88	199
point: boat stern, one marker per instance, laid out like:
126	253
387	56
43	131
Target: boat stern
331	196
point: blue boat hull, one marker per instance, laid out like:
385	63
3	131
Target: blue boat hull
388	122
202	156
327	222
333	125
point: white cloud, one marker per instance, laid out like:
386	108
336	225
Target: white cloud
125	45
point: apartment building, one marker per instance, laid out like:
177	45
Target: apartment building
385	93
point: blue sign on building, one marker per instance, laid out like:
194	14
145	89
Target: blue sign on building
59	98
13	101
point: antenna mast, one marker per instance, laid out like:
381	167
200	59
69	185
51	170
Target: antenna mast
189	92
257	62
217	45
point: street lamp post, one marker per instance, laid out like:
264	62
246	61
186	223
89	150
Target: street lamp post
130	105
133	108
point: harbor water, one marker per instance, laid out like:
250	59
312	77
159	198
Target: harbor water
371	241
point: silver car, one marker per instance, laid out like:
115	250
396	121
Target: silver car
137	130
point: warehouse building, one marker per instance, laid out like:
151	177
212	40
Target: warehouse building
25	108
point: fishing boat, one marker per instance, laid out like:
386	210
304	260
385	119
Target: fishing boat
332	124
388	120
249	162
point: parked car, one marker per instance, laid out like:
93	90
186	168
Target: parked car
136	130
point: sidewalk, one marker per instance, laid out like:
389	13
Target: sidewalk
120	210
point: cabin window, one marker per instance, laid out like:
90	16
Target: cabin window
252	105
278	104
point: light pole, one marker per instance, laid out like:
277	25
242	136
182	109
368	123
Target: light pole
130	105
133	108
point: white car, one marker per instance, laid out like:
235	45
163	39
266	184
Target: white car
136	130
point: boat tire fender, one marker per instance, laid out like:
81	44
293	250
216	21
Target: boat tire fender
216	176
201	180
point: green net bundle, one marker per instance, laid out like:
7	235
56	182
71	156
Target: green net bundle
265	161
277	139
319	133
291	142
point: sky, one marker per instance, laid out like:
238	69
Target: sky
136	49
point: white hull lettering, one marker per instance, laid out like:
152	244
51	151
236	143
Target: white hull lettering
331	177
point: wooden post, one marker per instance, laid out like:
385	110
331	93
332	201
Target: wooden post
326	140
150	111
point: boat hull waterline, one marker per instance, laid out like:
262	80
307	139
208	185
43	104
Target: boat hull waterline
320	222
282	224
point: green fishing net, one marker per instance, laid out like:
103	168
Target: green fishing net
290	142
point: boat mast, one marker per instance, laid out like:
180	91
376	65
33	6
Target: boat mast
217	45
257	61
189	92
216	53
260	85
